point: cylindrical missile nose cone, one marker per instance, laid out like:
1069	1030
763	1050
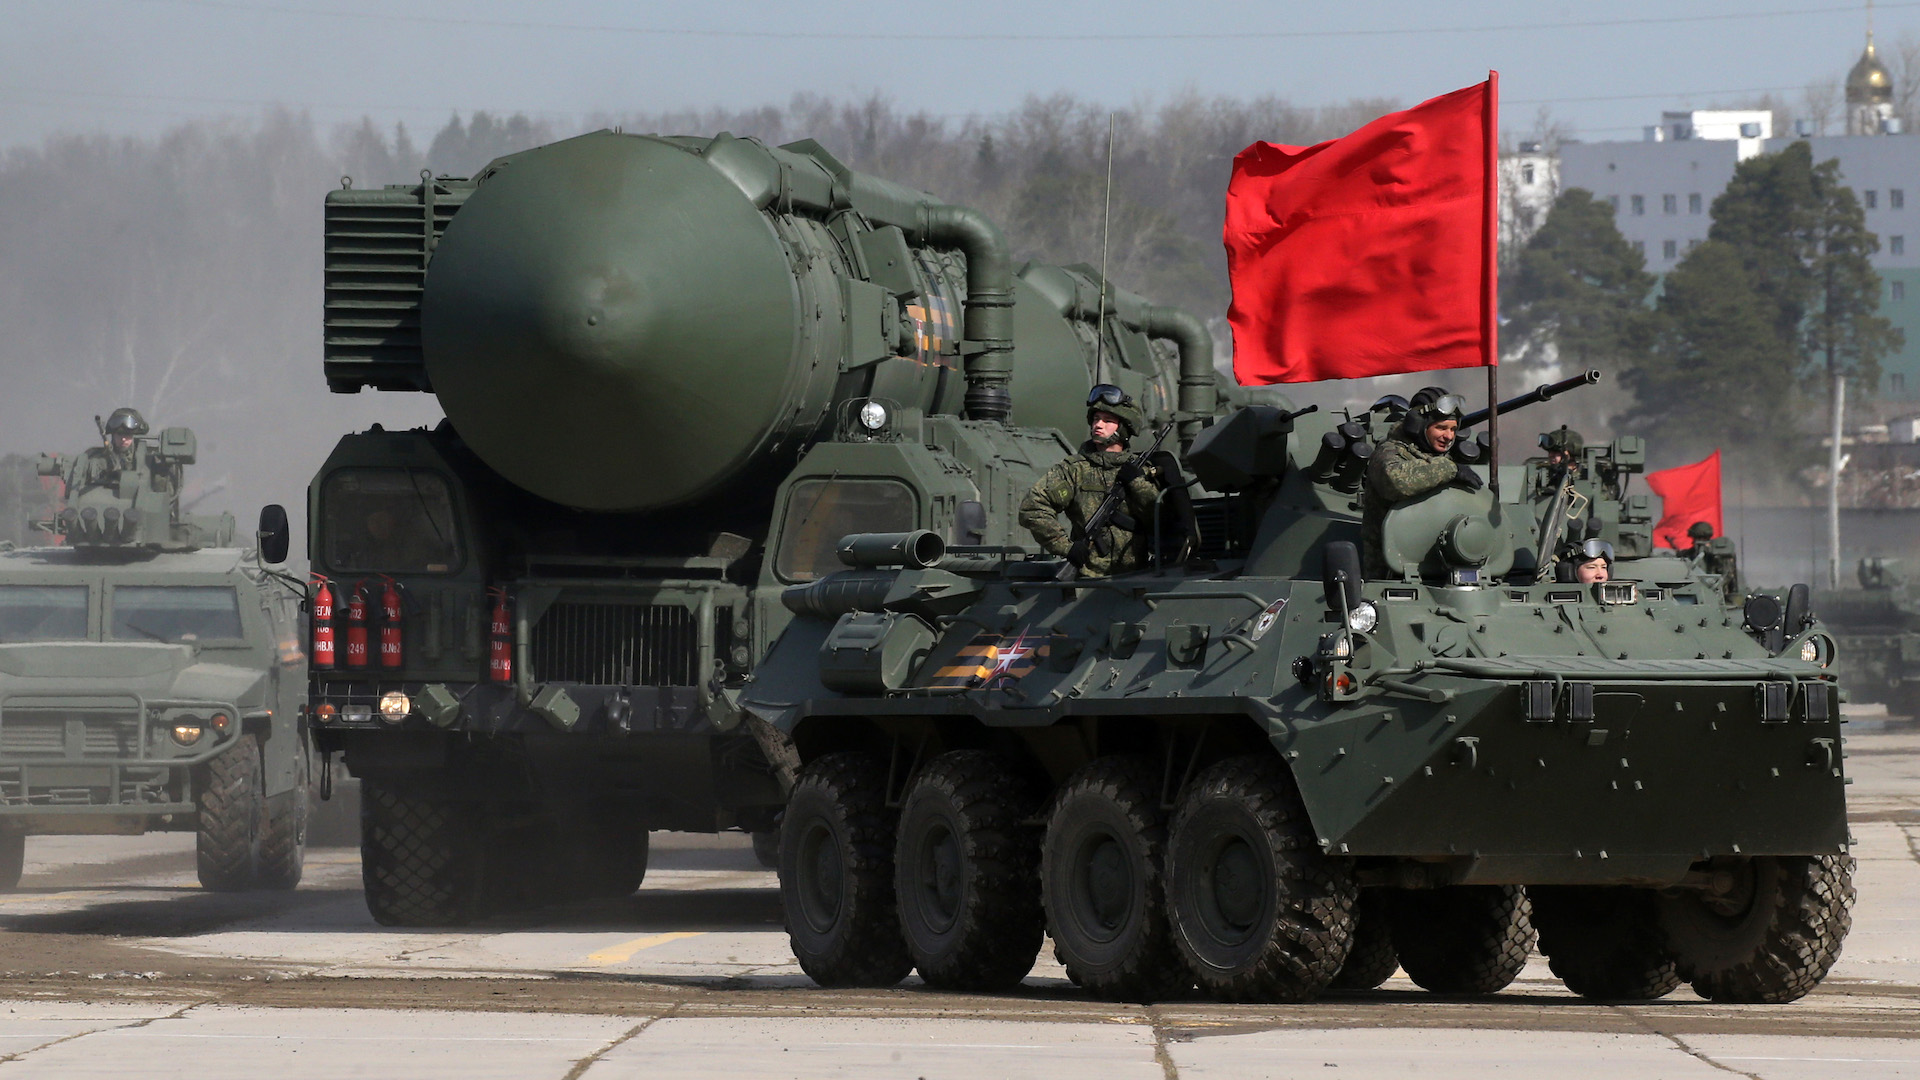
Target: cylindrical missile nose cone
609	323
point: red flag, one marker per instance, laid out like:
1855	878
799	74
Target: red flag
1688	493
1372	254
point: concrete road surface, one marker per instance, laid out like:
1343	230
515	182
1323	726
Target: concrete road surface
113	963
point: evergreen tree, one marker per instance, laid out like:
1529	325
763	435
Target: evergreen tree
1720	374
1844	336
1577	293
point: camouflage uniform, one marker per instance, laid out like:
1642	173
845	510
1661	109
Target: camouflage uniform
1401	469
1076	487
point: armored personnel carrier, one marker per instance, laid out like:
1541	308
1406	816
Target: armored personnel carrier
151	672
675	372
1878	628
1258	772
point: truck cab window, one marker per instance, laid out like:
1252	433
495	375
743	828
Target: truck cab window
820	512
392	520
43	613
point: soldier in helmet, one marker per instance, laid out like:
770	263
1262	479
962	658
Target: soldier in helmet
1564	447
102	465
1077	486
1414	459
1591	562
1715	555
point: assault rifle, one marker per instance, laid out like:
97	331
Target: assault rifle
1095	531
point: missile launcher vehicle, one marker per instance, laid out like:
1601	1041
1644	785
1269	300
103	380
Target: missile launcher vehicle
1261	773
1877	626
675	372
151	673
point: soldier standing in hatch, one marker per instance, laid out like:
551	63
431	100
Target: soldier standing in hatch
1414	460
1715	555
1078	485
102	465
1564	447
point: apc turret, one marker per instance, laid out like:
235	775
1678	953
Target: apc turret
125	493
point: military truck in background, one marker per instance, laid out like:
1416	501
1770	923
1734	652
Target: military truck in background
1878	628
152	672
1261	773
676	371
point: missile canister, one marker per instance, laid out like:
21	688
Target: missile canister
626	323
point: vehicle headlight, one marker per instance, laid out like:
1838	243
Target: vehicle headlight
187	733
395	706
1364	617
873	416
1818	649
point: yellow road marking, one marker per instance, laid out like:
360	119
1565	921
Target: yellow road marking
623	952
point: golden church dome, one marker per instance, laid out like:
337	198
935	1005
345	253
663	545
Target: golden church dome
1869	83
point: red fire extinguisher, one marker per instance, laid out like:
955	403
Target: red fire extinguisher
500	638
357	626
390	625
322	619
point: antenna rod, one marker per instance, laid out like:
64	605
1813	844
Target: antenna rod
1106	219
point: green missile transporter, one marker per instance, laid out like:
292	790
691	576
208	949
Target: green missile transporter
152	673
1258	772
676	371
1878	628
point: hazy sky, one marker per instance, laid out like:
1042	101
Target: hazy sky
137	65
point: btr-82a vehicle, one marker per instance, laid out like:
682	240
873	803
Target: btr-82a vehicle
1261	773
151	673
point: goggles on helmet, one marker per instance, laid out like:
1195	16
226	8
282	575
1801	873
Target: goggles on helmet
1596	549
1107	394
1448	405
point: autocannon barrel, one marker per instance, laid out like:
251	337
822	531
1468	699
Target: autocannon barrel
625	323
1538	394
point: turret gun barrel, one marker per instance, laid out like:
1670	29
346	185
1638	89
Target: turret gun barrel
1537	394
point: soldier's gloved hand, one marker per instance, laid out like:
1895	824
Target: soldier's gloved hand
1463	474
1129	472
1077	554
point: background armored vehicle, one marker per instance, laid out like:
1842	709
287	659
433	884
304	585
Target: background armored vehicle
1878	628
1263	774
151	677
675	371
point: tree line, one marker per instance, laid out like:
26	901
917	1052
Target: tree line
1739	345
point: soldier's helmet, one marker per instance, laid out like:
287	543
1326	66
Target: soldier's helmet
1699	532
1110	399
1564	439
125	421
1430	406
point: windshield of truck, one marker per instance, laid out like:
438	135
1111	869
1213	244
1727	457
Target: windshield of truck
43	613
175	613
820	512
389	520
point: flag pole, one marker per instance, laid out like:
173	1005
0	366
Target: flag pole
1490	285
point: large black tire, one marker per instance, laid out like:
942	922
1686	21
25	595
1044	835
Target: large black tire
13	859
1102	883
1772	938
1604	943
623	864
766	848
1259	913
1463	939
967	873
283	841
1372	959
836	874
420	859
232	814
